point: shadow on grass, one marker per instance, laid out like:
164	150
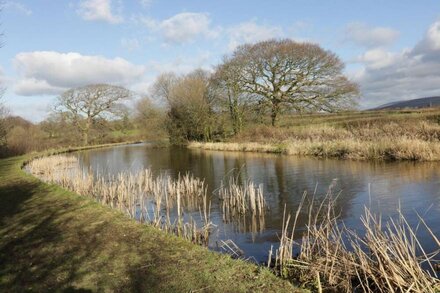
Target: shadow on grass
49	242
53	240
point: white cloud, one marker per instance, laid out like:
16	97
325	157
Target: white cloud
251	32
146	3
181	64
33	86
178	65
29	108
183	27
49	72
431	40
3	78
130	44
378	58
17	6
100	10
433	36
411	73
370	37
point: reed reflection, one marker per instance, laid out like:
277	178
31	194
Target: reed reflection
284	179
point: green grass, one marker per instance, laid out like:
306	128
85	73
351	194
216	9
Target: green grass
55	240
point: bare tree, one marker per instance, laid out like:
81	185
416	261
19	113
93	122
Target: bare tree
151	119
190	112
163	85
189	100
226	82
287	74
87	105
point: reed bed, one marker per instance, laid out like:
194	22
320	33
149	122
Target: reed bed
387	258
240	199
160	201
384	149
399	135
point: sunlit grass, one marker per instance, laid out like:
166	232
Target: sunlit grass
54	240
396	135
159	201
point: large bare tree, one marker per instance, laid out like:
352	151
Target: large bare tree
89	104
288	74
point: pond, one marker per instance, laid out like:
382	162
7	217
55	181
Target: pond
382	186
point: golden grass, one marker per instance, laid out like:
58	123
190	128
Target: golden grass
396	135
385	149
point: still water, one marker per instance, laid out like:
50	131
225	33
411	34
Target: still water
383	187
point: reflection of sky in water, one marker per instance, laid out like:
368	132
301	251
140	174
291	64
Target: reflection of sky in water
415	186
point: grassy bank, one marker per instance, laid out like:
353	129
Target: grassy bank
398	135
54	239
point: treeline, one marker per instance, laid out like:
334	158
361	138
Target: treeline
256	81
255	84
19	136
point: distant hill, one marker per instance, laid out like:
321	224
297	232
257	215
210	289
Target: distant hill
416	103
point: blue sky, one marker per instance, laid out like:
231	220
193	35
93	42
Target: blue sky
391	48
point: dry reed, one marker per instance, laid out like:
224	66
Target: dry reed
243	204
385	149
242	198
385	259
164	203
357	136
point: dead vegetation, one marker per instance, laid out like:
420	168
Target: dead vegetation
411	135
178	206
388	257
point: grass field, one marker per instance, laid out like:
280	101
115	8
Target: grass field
369	135
55	240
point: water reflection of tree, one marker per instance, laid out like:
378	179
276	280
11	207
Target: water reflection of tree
286	178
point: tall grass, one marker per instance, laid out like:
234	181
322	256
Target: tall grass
359	136
383	149
388	257
160	201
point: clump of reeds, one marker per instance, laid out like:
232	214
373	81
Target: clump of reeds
393	258
241	199
160	201
47	166
388	258
243	204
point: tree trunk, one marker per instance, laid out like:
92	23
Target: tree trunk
274	112
235	113
86	131
85	137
